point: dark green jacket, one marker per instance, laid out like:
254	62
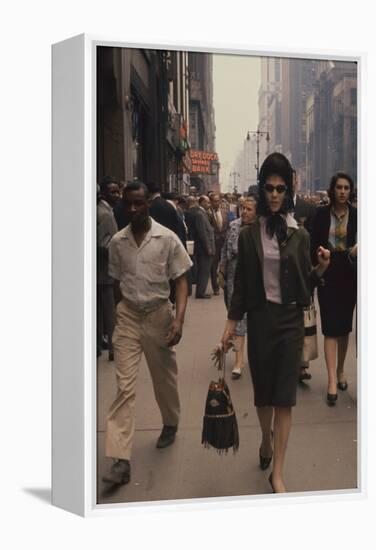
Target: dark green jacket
297	279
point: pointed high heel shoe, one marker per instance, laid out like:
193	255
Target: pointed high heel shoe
342	386
331	398
271	482
265	461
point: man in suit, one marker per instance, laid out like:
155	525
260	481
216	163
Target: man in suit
219	220
304	213
203	233
106	228
160	210
121	216
189	216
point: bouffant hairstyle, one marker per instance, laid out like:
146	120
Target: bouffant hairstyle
275	164
333	181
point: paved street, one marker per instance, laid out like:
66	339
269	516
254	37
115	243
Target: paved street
322	452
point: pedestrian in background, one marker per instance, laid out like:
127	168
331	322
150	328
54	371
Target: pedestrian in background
273	282
227	267
335	227
189	216
304	213
204	247
143	257
219	220
106	229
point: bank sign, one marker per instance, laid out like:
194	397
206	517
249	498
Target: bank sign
203	163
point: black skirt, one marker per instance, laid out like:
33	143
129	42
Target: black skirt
275	345
336	310
337	298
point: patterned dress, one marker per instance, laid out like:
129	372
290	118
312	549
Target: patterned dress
228	260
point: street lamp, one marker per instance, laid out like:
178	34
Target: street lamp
235	175
258	134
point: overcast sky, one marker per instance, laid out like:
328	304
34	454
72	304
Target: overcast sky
236	81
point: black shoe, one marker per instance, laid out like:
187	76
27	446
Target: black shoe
111	355
167	436
236	373
120	473
216	292
271	482
342	386
265	462
331	398
203	296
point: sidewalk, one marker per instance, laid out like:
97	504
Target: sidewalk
322	451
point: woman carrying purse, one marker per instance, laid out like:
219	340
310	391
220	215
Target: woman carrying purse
273	282
335	228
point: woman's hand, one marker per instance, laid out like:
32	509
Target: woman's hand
323	257
228	334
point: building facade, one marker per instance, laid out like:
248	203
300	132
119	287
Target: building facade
202	117
331	132
309	108
142	115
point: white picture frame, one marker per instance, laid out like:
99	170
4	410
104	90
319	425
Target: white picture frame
74	278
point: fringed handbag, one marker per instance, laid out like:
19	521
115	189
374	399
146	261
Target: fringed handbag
310	348
220	427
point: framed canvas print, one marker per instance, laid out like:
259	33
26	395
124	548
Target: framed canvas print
205	275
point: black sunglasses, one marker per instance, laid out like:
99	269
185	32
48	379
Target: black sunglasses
279	188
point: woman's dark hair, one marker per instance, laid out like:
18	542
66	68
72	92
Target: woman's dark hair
333	181
275	164
136	186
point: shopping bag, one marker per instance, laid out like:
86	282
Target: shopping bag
310	348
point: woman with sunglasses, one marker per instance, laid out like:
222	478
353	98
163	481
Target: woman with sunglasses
273	282
335	227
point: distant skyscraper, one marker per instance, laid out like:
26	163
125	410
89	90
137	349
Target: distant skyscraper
309	109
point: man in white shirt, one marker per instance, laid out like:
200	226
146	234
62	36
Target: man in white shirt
143	258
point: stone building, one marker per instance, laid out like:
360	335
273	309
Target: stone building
142	114
202	117
331	132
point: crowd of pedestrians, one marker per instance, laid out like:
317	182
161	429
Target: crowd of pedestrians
267	252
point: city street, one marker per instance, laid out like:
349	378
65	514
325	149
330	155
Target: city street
322	451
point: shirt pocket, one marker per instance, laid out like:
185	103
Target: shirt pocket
155	272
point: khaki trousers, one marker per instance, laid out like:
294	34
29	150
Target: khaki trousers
134	333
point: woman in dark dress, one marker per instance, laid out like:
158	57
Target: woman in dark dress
273	282
335	228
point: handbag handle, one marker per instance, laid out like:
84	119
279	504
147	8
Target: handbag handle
223	363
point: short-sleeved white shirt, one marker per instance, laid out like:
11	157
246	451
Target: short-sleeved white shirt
144	272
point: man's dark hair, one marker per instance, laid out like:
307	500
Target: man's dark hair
153	187
333	181
136	186
105	182
171	196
